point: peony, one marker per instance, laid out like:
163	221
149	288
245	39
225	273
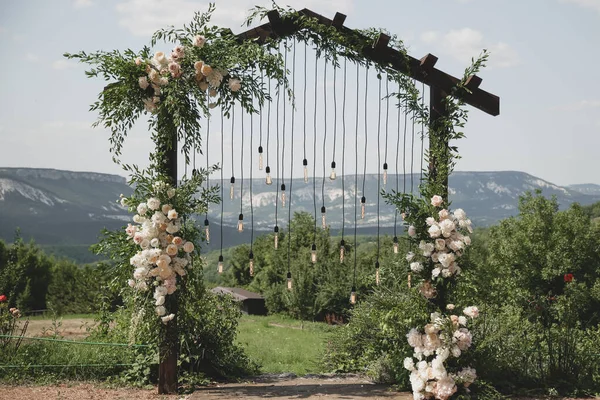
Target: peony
199	41
471	311
179	50
163	81
172	214
206	69
427	248
434	231
145	244
446	227
143	82
460	214
172	228
410	255
427	290
160	311
409	364
414	338
445	388
166	208
160	291
149	105
463	338
160	59
467	376
175	69
235	84
444	214
466	240
142	208
437	201
435	272
462	320
456	351
160	300
412	231
214	79
198	67
188	247
440	244
172	250
131	283
416	267
153	203
450	307
430	221
177	241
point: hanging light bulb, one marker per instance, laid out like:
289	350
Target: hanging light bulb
289	281
260	158
206	231
323	217
283	195
276	231
241	223
385	168
363	201
251	263
409	279
353	295
313	254
305	163
396	245
332	176
231	188
342	250
377	281
268	179
220	265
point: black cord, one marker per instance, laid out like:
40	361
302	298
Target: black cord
412	152
283	127
324	133
277	135
378	163
404	149
232	147
242	163
268	123
387	119
304	98
344	151
356	171
422	133
366	129
251	166
207	164
397	174
291	158
222	159
315	150
334	114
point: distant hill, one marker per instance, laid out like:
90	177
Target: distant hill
68	208
586	188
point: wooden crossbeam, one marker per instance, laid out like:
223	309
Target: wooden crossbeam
422	70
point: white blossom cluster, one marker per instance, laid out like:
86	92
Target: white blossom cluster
444	337
446	246
162	67
163	255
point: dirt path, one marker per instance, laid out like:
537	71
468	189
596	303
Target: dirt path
67	328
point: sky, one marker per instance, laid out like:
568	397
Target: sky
543	67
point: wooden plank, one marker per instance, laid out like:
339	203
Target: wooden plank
387	57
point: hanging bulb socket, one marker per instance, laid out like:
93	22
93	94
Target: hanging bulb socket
385	174
231	188
194	172
207	230
220	265
333	175
396	246
305	163
323	217
313	253
342	250
353	295
363	201
268	179
377	280
276	232
289	281
241	223
251	263
283	195
260	158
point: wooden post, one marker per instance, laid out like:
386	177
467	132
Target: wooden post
169	348
438	146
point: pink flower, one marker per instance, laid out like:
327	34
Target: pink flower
471	311
199	41
412	231
437	201
138	61
235	84
188	247
175	70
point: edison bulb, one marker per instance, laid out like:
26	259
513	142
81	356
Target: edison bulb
283	195
251	264
260	158
305	163
362	208
396	246
353	296
240	226
332	176
342	251
323	218
276	240
220	265
289	281
377	281
385	174
232	187
207	233
313	254
268	179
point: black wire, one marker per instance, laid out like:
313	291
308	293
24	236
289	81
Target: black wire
378	163
412	152
222	158
260	106
366	128
251	166
207	146
242	164
404	149
232	129
315	150
277	152
356	170
324	130
283	127
291	157
387	114
397	174
304	109
334	110
422	132
269	121
344	151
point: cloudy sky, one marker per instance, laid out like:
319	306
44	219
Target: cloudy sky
543	66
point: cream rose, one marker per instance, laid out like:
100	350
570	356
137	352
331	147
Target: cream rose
199	41
235	84
143	82
437	201
188	247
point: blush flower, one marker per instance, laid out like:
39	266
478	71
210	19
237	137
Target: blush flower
437	201
199	41
235	84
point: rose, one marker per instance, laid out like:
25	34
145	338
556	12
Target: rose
179	50
153	203
416	267
235	84
171	250
199	41
160	311
172	214
138	61
214	78
160	58
434	231
460	214
437	201
142	208
175	69
171	193
177	241
412	231
143	82
440	244
450	307
471	311
206	69
444	214
203	86
3	298
167	318
568	277
166	208
198	66
188	247
430	221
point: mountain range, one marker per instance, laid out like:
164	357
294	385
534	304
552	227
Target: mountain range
57	207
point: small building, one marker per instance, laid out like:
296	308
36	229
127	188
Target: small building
250	303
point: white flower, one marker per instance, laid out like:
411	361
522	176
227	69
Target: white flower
171	193
410	255
471	311
175	69
163	81
145	244
430	221
463	338
435	272
467	240
172	250
142	208
409	364
450	307
188	247
462	320
199	41
437	201
131	282
160	300
445	388
444	214
460	214
153	203
138	61
167	318
149	105
434	231
235	84
203	85
143	82
166	208
160	59
467	375
160	291
172	228
414	338
440	244
160	311
214	78
446	259
412	231
416	267
456	351
179	50
172	214
427	248
447	226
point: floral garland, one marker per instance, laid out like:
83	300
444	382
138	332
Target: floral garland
442	238
163	256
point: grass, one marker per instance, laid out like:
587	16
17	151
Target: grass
281	344
49	317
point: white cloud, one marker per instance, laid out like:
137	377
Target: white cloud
31	57
578	106
463	44
83	3
2	30
144	17
591	4
63	64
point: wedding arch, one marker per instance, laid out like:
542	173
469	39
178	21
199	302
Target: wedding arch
210	74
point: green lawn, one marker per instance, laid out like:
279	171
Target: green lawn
279	344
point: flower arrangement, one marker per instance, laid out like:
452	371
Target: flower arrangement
443	338
163	255
8	321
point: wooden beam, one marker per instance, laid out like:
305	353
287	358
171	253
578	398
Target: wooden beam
428	62
388	57
381	42
338	20
473	82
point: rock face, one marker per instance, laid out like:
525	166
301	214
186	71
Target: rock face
66	207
